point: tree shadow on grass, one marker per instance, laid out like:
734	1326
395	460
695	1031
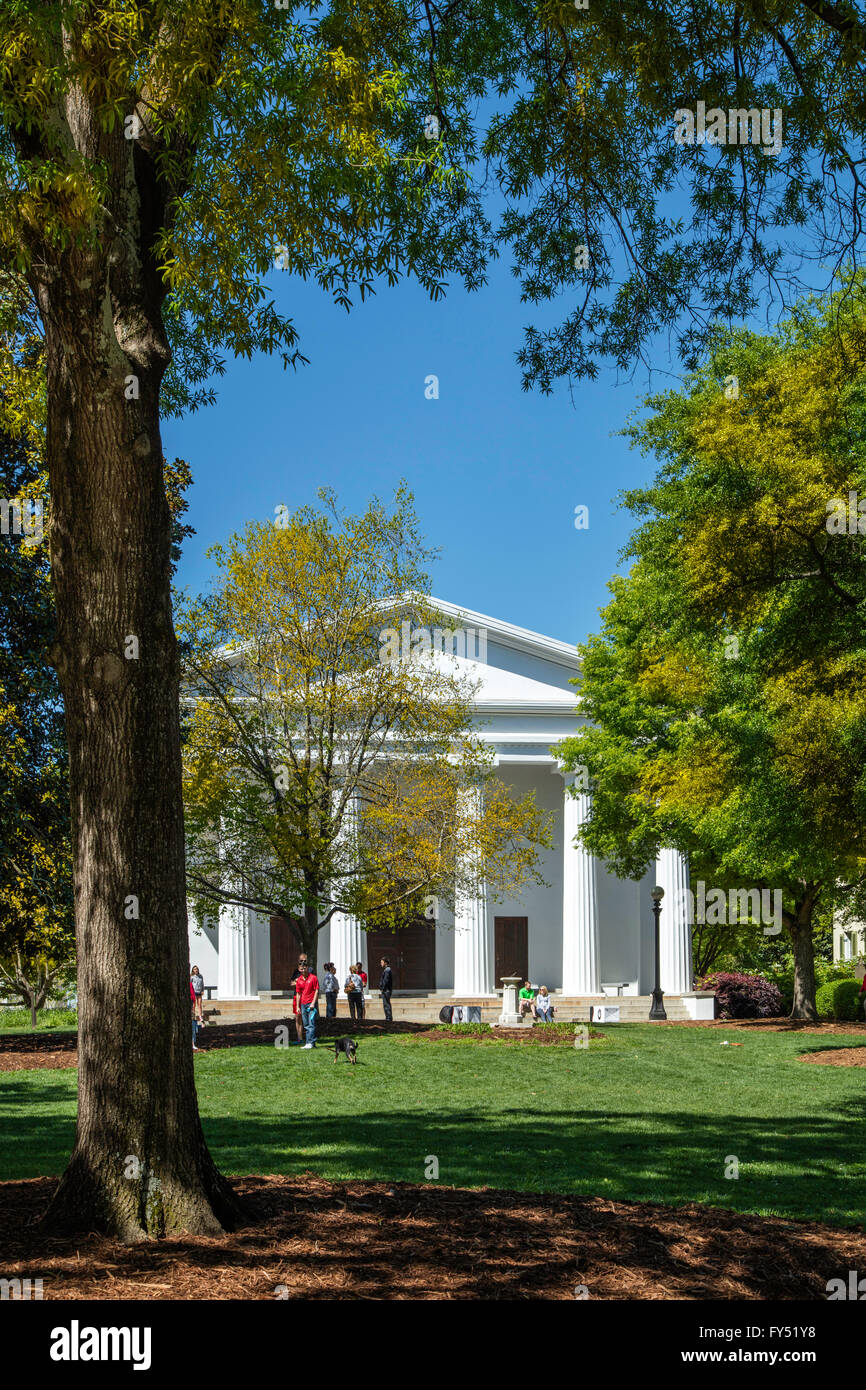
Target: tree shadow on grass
798	1167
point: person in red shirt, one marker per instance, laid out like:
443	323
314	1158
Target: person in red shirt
307	990
195	1022
296	1007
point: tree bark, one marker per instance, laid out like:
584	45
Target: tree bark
140	1166
800	929
310	935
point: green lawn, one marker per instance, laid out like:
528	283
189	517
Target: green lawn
18	1020
650	1114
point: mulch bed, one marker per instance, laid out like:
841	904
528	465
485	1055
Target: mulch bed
837	1057
770	1025
28	1051
311	1239
542	1035
32	1051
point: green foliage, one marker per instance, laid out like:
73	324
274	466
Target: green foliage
48	1019
320	773
36	932
300	132
839	999
727	688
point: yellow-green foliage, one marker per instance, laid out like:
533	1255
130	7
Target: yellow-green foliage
294	718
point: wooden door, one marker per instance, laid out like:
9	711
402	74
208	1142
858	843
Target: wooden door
511	948
285	951
411	951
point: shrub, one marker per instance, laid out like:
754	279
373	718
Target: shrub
465	1030
744	996
838	999
52	1017
826	973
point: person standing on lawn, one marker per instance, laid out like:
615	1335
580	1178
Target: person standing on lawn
296	1007
362	976
330	989
308	995
862	998
386	984
195	1022
196	979
354	993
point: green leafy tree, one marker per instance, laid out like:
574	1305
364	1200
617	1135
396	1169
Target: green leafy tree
37	938
322	773
727	688
156	159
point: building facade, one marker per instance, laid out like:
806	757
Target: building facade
583	932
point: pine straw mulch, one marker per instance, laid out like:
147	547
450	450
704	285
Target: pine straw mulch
33	1051
26	1051
770	1025
311	1239
837	1057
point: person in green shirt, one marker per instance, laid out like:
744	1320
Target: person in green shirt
526	996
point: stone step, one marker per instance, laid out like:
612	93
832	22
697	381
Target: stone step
413	1009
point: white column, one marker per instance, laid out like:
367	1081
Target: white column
675	929
581	954
473	925
236	976
348	938
348	943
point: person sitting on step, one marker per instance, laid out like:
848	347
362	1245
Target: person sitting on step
543	1007
525	998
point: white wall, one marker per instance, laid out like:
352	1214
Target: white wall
619	928
540	903
203	949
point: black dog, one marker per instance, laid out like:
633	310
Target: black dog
348	1046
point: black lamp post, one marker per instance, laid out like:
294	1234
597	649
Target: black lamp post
657	1011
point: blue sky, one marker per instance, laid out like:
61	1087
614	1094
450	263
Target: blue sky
496	472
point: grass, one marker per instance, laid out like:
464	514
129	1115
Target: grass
18	1020
649	1114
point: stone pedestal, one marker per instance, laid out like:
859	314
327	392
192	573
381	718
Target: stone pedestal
510	1016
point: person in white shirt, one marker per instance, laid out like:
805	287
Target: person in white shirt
542	1008
354	987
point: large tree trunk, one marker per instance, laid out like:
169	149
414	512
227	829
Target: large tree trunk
800	929
310	935
140	1166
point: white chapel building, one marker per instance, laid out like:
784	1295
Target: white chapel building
584	933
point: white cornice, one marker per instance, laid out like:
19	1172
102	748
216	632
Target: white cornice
520	638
